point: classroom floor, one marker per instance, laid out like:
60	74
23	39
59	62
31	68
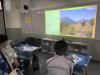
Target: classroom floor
93	68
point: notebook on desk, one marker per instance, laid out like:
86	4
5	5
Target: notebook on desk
29	48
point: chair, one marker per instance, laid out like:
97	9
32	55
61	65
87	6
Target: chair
33	41
30	41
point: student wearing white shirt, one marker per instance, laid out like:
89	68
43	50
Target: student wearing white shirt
6	52
60	64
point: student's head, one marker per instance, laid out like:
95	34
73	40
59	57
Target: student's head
61	47
3	40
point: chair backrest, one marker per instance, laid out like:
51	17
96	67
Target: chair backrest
33	41
37	42
30	40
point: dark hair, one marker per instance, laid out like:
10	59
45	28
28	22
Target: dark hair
61	47
3	38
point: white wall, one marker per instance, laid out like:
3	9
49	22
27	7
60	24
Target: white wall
12	16
13	20
50	4
41	5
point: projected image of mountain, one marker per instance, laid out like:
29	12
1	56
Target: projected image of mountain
78	21
67	20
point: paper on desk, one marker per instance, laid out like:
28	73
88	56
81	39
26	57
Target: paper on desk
29	49
76	59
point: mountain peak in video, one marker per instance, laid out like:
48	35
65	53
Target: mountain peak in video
67	20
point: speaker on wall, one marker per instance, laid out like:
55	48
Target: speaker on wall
25	7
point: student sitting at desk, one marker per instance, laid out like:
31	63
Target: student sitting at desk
6	54
60	64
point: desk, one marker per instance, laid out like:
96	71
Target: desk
25	53
82	65
77	47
